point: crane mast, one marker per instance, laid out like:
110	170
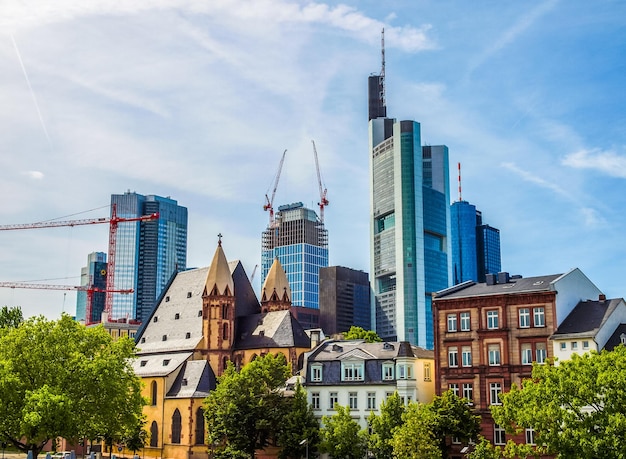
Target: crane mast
323	201
269	202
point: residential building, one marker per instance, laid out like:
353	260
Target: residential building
298	238
344	299
475	246
489	334
205	318
92	276
148	253
409	226
362	375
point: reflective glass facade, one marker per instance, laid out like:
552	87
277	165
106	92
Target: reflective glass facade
147	253
94	274
489	257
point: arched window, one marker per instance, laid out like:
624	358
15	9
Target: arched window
224	311
225	331
176	426
154	434
200	427
153	393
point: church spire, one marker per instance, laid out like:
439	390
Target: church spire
276	293
219	279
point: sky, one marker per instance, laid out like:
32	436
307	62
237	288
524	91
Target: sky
197	100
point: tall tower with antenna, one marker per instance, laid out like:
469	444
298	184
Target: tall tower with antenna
376	88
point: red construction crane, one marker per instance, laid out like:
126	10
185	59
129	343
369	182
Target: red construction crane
113	222
269	202
90	289
323	201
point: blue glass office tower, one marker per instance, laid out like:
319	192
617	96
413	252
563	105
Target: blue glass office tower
475	246
409	227
92	275
147	253
300	242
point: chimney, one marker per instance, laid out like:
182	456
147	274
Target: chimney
602	298
490	279
503	277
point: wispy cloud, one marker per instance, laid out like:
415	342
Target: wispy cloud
607	162
535	179
591	218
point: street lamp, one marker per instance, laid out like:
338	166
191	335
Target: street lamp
306	442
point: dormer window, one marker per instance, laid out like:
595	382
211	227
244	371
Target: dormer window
404	371
187	335
316	372
184	382
166	362
164	338
177	316
188	294
388	373
622	338
143	340
167	299
352	371
143	363
200	313
156	319
388	347
337	348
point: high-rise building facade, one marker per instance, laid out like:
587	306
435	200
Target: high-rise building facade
299	240
93	275
147	253
409	226
475	246
344	299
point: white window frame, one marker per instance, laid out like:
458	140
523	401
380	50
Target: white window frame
495	359
541	353
315	400
524	317
499	435
468	391
353	400
493	322
452	323
316	373
585	345
563	345
454	388
530	436
371	401
466	356
574	345
453	357
388	371
465	321
526	350
539	316
352	371
333	399
495	389
404	371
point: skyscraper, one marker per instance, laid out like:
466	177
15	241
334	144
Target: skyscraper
92	275
409	224
299	240
475	246
148	253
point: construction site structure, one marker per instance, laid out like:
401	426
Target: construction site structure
323	201
269	201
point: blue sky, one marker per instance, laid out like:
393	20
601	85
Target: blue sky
197	100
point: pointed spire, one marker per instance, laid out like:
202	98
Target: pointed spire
219	276
276	281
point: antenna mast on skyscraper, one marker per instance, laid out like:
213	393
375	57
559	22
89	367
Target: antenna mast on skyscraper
382	70
460	196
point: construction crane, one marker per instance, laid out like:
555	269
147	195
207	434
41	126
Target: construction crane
269	202
253	273
323	201
90	289
113	221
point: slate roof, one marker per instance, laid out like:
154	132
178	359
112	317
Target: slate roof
195	380
271	329
513	286
616	338
339	349
586	318
159	364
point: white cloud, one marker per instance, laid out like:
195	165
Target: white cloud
535	179
607	162
36	175
591	218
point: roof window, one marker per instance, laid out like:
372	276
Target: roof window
164	338
143	363
177	316
166	362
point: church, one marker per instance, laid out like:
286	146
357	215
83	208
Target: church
205	318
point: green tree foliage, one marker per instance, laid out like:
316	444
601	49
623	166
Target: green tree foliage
297	426
246	409
486	450
10	317
384	425
61	379
342	436
360	333
453	418
415	439
577	408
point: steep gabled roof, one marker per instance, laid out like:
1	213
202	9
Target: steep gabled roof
195	380
159	364
277	329
219	276
276	283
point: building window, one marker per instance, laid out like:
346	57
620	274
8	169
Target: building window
453	357
371	401
530	436
452	322
540	353
333	399
494	393
404	371
563	346
465	321
167	299
154	434
585	345
176	426
454	388
352	371
494	354
225	331
177	316
427	372
388	371
524	318
200	426
187	335
153	393
574	345
315	400
143	363
540	317
200	313
492	320
224	311
527	354
352	400
188	294
499	436
316	373
156	319
388	395
468	391
466	356
164	338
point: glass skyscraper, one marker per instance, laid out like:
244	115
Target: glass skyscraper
300	242
409	227
147	253
92	275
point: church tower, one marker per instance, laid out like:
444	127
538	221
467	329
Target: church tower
218	311
276	294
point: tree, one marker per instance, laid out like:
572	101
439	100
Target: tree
576	409
342	436
11	317
360	333
382	427
414	439
61	379
297	426
453	418
246	409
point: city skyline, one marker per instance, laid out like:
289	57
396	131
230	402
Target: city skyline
198	101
